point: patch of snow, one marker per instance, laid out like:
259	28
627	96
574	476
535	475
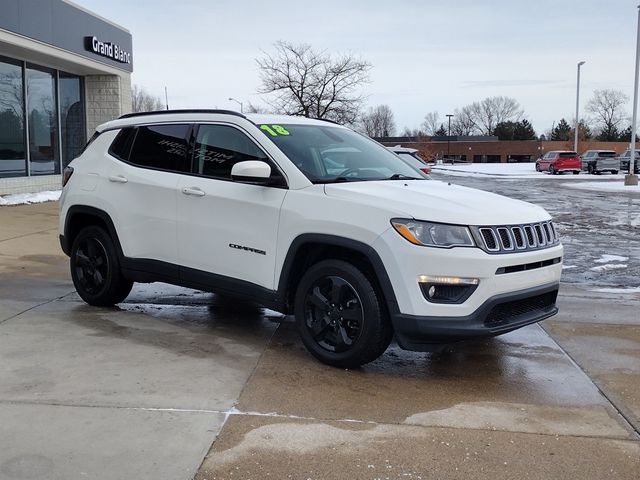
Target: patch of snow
618	186
27	198
617	290
609	266
501	170
568	267
611	258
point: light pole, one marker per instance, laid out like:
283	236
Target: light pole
238	102
631	178
577	125
449	137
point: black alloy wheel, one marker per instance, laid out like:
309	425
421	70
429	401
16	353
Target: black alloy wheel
95	268
340	314
92	265
333	313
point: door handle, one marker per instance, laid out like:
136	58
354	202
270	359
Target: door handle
118	179
193	191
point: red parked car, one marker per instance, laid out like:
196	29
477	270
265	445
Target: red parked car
558	161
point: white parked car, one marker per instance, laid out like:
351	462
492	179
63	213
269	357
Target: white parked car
411	157
308	218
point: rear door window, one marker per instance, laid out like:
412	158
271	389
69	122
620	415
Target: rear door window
162	147
608	154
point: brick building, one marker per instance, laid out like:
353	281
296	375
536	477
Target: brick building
63	71
481	149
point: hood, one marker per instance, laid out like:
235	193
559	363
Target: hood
437	201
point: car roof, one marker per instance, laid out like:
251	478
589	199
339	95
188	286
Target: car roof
561	151
599	151
199	115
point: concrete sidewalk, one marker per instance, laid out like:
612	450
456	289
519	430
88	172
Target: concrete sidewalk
147	389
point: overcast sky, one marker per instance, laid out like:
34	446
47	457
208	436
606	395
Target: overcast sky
426	55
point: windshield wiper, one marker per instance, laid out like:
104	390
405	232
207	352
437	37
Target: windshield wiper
338	180
401	176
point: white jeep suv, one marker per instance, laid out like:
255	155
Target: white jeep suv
308	218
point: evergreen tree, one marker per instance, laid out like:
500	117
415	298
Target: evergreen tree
625	135
562	131
505	130
609	133
523	130
441	132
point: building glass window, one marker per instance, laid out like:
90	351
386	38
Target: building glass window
44	152
12	143
72	130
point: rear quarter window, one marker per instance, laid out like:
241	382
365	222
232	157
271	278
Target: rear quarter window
121	146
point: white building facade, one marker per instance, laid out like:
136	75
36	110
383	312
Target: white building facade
63	71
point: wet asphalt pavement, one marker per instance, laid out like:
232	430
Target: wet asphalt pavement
591	224
176	384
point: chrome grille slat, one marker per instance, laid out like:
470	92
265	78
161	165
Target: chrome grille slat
505	238
518	236
512	238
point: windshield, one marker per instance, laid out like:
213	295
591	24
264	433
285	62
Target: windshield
327	154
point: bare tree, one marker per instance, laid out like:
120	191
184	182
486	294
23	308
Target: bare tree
378	122
311	83
143	101
253	108
491	111
607	107
414	133
463	121
431	123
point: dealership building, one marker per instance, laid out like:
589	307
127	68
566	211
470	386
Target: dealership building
63	71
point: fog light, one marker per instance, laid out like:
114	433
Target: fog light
452	290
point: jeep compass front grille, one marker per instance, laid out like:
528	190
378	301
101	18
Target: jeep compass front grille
516	238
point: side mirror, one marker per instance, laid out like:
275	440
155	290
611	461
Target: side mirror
251	171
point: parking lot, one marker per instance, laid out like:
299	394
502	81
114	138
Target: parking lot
178	384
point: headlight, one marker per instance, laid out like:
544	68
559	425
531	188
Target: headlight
433	234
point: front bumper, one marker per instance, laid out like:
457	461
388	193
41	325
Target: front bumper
499	314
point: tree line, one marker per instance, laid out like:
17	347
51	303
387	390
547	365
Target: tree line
297	79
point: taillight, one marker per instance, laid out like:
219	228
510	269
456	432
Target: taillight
66	175
426	170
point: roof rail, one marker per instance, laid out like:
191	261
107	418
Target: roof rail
196	110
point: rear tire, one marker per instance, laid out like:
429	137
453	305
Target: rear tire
95	268
576	172
552	171
341	317
614	172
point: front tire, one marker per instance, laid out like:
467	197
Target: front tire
341	317
95	268
553	171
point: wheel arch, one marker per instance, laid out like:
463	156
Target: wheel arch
80	216
308	249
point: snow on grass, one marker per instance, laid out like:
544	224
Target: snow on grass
617	290
503	170
609	266
27	198
611	258
499	170
611	186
